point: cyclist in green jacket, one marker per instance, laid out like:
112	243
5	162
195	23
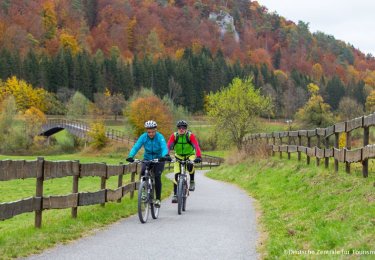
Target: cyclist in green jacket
185	146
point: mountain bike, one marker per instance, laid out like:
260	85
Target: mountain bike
182	184
146	191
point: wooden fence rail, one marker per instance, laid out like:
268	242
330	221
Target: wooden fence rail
42	170
322	136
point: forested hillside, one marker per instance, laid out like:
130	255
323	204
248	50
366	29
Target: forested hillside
178	48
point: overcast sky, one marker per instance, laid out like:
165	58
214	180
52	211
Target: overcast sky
350	21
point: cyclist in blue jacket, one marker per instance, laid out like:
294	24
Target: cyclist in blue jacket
155	147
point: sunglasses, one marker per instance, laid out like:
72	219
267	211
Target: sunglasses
182	127
151	131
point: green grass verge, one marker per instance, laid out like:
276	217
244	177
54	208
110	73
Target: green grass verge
307	207
217	153
19	238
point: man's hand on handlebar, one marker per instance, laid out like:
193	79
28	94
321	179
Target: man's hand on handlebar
166	158
198	160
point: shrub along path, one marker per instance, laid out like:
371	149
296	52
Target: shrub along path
219	224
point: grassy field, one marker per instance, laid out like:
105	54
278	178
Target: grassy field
19	238
306	207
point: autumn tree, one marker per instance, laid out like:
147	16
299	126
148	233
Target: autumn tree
108	103
349	108
78	106
7	115
97	135
49	20
12	136
69	42
315	113
34	119
25	95
130	33
317	72
370	102
236	108
150	108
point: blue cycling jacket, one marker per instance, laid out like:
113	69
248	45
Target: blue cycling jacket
154	148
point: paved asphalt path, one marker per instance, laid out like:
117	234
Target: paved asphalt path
219	223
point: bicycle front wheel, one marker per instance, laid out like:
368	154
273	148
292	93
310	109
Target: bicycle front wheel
180	195
185	195
143	202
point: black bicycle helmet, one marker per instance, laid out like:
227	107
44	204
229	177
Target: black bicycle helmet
182	123
150	124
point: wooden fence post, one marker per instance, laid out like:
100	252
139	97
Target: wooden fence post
103	182
75	190
308	145
132	179
39	191
299	144
318	145
281	143
326	159
349	147
366	138
337	136
274	143
119	182
289	143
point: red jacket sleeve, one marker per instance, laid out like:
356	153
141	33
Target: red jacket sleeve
170	142
194	142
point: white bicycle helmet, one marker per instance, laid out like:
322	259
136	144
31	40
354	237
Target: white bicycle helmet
150	124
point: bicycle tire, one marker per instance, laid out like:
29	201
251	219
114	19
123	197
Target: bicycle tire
180	195
184	197
143	202
154	210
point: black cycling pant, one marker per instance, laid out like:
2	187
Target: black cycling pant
158	169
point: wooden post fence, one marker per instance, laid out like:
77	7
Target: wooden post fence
346	155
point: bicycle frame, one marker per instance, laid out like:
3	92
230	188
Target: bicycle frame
146	192
182	185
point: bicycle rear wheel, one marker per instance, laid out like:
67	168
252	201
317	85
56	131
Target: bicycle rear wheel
143	202
180	195
184	196
154	210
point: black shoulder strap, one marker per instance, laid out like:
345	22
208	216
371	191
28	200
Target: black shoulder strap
188	133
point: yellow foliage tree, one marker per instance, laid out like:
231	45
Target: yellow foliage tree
196	46
97	134
370	102
370	79
315	112
34	119
68	41
342	140
179	53
25	95
150	108
49	20
317	72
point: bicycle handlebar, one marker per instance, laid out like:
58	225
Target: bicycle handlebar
182	161
146	161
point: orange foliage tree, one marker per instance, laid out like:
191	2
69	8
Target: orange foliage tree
150	108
